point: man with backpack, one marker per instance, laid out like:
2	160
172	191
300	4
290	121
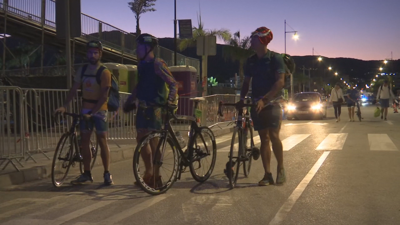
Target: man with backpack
267	72
156	86
384	93
96	82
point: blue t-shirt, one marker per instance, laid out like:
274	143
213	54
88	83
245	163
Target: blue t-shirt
263	72
353	94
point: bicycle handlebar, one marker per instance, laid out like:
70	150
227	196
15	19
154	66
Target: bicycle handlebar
243	105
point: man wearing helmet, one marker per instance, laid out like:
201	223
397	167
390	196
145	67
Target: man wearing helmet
266	71
156	85
94	109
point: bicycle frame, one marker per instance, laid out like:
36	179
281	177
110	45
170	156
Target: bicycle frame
168	131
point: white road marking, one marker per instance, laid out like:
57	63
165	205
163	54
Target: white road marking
341	130
381	142
37	203
81	212
191	211
333	142
289	142
389	122
287	206
133	210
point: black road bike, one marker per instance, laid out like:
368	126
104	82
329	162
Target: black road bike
242	150
168	159
68	152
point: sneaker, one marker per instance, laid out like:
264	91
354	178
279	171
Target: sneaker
267	180
381	117
108	179
281	177
83	178
256	153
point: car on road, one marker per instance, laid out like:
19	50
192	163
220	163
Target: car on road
307	104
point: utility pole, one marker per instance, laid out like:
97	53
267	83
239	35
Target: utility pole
175	42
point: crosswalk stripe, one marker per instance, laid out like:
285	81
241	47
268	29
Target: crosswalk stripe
381	142
133	210
333	142
291	141
81	212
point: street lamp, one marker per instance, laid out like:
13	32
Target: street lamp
329	68
295	36
336	73
320	59
380	68
385	61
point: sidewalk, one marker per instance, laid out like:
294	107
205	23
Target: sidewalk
31	171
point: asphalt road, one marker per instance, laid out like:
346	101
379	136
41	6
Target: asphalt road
338	173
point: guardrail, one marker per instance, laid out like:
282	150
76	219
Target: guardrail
112	37
30	126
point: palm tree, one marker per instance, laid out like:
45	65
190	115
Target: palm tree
199	31
238	50
139	7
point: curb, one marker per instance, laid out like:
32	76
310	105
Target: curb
43	169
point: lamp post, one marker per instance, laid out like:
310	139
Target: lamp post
291	75
175	44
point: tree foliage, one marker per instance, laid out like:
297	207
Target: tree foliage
140	7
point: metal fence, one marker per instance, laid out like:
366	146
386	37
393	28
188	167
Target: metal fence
30	126
11	137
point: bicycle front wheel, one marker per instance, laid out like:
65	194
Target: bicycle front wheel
204	154
248	146
62	160
94	148
234	163
155	163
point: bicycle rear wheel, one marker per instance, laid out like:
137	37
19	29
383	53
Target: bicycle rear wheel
94	148
164	163
204	154
62	160
234	163
248	147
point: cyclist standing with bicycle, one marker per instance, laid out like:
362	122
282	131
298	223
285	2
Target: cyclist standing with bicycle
156	86
267	73
94	109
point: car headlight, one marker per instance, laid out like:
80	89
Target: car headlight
316	107
291	107
364	99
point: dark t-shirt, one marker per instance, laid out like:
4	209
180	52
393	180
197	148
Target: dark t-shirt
353	94
263	72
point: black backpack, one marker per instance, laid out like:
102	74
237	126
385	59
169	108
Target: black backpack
290	66
113	94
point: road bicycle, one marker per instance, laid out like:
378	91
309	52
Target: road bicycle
358	112
68	152
242	150
168	159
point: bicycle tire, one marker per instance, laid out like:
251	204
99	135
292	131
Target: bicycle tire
94	148
148	185
248	146
202	153
66	162
234	158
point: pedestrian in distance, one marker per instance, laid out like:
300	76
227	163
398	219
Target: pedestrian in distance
383	96
266	71
94	109
337	100
352	97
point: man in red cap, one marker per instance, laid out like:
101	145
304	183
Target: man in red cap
266	71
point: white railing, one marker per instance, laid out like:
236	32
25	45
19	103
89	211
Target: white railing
30	126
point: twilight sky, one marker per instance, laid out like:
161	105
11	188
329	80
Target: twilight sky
362	29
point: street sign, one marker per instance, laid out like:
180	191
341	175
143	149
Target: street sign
185	29
206	45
